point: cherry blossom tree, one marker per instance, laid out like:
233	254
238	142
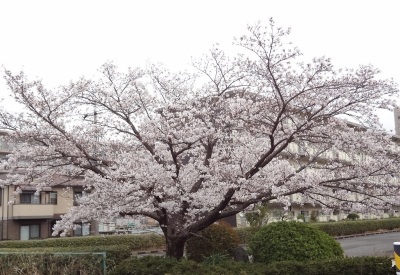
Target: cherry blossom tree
188	149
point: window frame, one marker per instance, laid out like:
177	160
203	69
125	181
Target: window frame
31	231
49	199
31	194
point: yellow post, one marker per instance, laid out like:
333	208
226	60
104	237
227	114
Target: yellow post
397	256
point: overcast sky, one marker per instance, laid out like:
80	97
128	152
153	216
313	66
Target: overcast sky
59	41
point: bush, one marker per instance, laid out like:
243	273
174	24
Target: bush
135	242
353	216
157	266
115	254
145	265
50	264
246	233
301	217
259	216
216	259
333	228
357	227
350	266
117	247
215	239
282	241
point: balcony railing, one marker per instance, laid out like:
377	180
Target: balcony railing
33	211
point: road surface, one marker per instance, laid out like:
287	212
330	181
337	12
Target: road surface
371	245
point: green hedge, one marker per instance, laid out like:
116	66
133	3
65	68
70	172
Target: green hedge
334	228
50	264
135	242
115	254
348	266
353	266
357	227
117	247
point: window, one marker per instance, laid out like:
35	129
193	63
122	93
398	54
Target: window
78	231
29	232
77	196
29	198
83	229
51	197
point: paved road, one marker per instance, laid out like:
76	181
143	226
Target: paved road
372	245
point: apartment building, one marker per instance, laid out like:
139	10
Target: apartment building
28	214
302	209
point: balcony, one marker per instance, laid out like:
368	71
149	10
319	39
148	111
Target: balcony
33	211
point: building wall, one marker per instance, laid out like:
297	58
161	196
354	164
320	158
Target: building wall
13	216
11	230
65	200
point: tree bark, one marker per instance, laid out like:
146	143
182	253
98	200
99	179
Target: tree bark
175	246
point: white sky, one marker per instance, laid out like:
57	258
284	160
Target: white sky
59	41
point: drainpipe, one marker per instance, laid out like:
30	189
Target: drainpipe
2	213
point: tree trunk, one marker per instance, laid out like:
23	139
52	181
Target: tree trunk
175	246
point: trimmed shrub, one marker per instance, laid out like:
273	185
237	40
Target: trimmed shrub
282	241
347	266
333	228
353	216
117	247
216	239
135	242
357	227
159	266
115	254
50	264
145	265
